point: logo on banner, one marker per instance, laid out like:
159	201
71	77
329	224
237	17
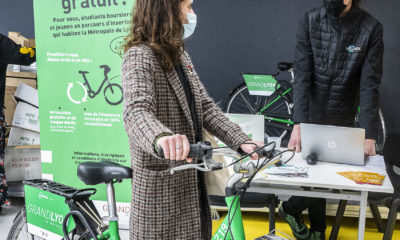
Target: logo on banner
112	91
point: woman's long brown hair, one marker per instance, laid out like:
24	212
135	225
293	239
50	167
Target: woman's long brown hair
158	24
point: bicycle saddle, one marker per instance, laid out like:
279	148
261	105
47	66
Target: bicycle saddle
284	66
93	173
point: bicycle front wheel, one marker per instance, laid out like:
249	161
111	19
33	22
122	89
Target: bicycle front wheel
113	94
277	111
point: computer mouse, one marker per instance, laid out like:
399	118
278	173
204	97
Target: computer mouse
312	159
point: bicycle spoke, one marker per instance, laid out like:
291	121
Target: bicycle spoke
240	110
276	106
248	104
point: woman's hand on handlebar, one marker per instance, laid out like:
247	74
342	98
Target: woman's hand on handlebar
251	146
175	147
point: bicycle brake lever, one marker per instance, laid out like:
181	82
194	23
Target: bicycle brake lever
204	167
190	166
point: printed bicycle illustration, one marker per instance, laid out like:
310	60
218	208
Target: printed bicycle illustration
112	91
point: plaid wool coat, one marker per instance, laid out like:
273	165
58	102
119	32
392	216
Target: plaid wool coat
166	206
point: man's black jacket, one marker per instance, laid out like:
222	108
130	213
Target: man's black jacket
338	67
10	54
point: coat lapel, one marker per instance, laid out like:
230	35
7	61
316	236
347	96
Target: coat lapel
191	75
174	81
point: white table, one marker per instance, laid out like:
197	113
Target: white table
329	184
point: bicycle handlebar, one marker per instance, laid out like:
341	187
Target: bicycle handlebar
197	151
107	69
202	153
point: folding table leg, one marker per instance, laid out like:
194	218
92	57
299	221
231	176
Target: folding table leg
338	220
377	216
363	213
272	206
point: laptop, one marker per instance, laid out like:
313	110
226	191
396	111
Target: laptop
333	144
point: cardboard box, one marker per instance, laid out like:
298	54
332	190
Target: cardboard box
27	94
21	75
15	82
22	137
22	163
26	116
10	103
21	40
32	43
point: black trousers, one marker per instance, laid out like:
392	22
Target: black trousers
316	210
394	178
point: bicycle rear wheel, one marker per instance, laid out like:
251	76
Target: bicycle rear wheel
240	101
19	230
381	138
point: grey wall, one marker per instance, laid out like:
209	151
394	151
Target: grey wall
17	16
236	36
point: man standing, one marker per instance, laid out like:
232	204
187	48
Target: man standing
10	53
338	67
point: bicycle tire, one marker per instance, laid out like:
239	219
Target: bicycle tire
20	228
382	134
110	86
282	106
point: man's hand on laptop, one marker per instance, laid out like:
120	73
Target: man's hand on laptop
369	148
295	139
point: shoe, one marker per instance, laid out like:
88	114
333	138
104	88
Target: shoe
317	235
296	223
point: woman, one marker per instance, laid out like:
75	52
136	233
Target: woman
10	53
166	105
338	65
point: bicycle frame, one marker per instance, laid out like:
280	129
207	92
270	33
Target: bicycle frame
92	93
237	229
112	233
276	119
234	216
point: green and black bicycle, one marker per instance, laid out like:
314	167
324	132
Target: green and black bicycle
56	211
265	94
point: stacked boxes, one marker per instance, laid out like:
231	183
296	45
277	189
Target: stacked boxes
22	153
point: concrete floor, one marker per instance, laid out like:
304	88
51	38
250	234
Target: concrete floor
8	214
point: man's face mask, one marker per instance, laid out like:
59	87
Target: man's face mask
334	7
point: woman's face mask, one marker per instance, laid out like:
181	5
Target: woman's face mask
190	26
334	7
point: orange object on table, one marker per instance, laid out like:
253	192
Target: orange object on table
364	177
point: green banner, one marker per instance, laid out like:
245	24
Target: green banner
80	94
45	213
261	85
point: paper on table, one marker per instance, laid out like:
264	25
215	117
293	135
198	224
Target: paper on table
376	163
285	170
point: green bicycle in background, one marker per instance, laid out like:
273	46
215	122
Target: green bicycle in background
264	94
55	211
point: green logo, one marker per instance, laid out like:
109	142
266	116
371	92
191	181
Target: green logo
53	218
263	85
46	211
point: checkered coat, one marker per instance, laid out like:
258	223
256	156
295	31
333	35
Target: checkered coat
166	206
